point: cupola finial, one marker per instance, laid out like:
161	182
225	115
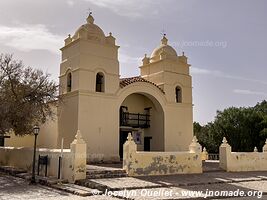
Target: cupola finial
164	40
90	19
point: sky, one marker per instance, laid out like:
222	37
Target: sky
225	41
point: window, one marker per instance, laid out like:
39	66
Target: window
178	93
99	82
69	81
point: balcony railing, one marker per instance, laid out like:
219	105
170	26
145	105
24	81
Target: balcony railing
135	120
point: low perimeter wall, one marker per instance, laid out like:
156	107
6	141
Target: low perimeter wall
242	161
21	157
160	163
73	163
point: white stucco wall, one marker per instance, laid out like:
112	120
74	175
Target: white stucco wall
73	165
47	137
241	161
19	141
22	157
138	163
164	163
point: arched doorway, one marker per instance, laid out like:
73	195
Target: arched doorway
143	116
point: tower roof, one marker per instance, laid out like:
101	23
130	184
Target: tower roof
90	30
163	48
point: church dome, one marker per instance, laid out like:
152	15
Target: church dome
164	48
90	31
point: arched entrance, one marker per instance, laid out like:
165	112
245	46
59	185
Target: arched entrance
141	114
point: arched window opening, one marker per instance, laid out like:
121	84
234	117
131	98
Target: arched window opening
178	93
69	82
100	82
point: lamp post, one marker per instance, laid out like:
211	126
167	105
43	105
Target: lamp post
36	130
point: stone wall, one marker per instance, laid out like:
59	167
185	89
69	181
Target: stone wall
161	163
73	162
242	161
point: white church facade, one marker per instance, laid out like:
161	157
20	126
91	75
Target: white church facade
155	106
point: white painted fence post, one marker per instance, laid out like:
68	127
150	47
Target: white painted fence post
78	152
204	155
224	153
264	148
195	147
129	147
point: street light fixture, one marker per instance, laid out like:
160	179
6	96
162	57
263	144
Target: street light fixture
36	130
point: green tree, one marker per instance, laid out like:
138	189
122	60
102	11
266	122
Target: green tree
261	109
244	128
26	96
197	128
241	126
206	136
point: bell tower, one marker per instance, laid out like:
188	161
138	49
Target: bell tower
170	72
87	53
89	69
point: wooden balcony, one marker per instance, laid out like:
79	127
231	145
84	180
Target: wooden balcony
135	120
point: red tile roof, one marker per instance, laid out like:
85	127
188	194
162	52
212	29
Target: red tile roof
127	81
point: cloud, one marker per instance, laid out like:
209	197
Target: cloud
201	71
30	37
70	3
195	70
249	92
128	8
124	58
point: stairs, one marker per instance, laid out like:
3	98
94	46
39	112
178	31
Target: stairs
105	173
211	166
101	172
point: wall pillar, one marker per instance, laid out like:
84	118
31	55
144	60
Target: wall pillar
78	152
224	153
129	147
204	155
264	148
195	147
